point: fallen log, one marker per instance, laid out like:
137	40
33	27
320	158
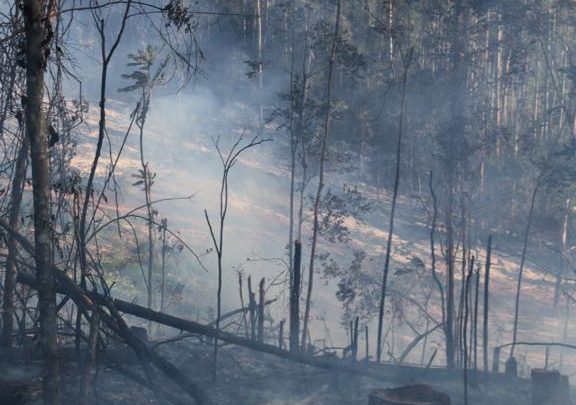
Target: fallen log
129	308
91	301
415	342
86	301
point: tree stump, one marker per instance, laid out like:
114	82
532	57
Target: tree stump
549	387
409	395
511	367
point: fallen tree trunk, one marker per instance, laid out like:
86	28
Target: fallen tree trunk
85	299
197	328
415	342
92	301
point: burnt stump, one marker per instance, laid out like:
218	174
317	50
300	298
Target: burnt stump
549	387
418	394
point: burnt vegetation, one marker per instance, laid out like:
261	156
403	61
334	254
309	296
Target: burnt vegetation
287	202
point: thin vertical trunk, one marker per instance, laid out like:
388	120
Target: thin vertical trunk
281	334
293	151
392	213
475	325
323	151
563	244
295	298
259	56
146	178
452	168
367	348
14	221
261	303
355	339
461	304
465	328
564	333
163	279
391	30
485	331
433	247
449	326
83	223
252	309
244	320
521	270
87	382
36	29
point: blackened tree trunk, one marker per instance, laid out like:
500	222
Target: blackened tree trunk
261	304
486	303
37	31
475	318
295	298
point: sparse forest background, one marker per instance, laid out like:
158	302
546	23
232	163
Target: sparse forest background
388	180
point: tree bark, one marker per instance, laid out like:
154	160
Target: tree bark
38	33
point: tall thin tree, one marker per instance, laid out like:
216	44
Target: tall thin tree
406	62
323	152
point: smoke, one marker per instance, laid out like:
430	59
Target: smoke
218	105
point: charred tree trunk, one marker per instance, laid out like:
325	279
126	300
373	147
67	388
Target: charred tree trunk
295	298
252	309
475	324
485	331
261	299
355	339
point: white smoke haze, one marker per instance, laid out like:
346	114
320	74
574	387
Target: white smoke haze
181	130
218	105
